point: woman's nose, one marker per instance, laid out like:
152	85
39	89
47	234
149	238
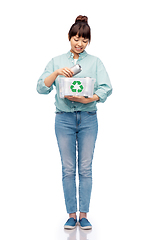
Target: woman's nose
79	43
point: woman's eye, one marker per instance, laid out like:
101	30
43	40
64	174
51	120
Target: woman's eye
76	40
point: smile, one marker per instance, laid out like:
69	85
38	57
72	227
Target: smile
78	49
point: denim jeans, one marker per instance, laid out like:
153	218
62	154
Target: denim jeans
76	131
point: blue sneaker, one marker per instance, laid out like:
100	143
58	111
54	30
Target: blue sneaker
85	224
70	224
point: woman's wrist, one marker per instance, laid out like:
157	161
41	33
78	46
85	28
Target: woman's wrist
57	73
48	81
95	97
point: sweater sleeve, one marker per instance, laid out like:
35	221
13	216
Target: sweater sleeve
104	85
41	87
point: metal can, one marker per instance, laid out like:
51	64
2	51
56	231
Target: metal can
76	69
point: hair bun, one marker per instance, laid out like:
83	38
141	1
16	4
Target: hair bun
81	18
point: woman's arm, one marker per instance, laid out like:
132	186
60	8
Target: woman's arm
104	89
82	99
67	72
47	79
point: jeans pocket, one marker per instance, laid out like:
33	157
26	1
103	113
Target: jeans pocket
92	113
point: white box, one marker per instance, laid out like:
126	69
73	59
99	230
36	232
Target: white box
76	87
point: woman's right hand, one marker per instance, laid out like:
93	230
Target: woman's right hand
67	72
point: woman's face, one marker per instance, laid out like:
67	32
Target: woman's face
78	44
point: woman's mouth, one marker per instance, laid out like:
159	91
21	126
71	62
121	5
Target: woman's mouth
78	49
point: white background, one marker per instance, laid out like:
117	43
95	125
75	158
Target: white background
126	180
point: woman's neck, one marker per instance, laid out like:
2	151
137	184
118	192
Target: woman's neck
76	55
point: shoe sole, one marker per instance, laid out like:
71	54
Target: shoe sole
70	227
86	228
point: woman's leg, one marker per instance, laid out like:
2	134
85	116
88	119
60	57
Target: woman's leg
66	137
86	137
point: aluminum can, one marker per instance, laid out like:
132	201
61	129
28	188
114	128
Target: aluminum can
76	69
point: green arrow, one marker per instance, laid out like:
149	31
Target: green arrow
73	85
81	88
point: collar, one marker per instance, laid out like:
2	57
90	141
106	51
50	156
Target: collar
81	55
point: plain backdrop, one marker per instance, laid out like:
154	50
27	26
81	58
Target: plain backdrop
126	166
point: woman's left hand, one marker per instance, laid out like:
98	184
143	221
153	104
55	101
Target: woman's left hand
82	99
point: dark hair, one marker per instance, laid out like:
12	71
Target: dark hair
80	28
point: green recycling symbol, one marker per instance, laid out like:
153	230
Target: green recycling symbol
76	86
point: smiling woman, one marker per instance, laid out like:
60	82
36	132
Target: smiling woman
79	35
80	28
78	44
76	124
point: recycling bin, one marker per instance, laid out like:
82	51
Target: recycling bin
76	87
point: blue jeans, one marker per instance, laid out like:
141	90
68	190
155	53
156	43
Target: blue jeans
77	130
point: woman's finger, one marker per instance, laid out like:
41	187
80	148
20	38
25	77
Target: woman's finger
67	72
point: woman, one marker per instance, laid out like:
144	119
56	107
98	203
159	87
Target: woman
76	118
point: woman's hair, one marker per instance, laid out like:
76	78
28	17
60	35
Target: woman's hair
80	28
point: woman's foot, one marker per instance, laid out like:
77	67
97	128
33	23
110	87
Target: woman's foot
85	224
70	224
